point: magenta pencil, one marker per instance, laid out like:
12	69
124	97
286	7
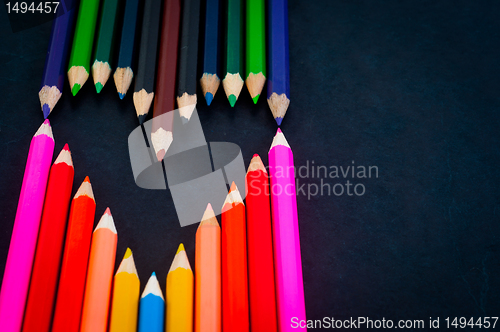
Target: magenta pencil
288	264
17	273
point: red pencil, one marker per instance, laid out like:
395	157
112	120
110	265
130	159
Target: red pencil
260	249
234	264
49	246
75	260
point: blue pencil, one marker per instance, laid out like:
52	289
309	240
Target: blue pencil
211	63
278	86
127	52
54	72
152	307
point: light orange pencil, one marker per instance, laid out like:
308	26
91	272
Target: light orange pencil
99	276
208	274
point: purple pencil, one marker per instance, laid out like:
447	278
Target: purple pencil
56	62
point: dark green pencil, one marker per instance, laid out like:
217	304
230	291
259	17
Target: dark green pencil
106	35
233	81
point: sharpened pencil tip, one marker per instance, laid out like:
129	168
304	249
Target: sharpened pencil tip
256	99
255	155
128	253
75	89
232	100
108	212
209	97
46	110
47	122
181	248
66	147
278	131
142	118
86	179
278	121
121	95
98	87
153	274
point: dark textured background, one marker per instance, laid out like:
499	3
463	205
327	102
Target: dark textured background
411	87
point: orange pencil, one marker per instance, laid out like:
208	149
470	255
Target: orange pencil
100	276
70	292
208	278
235	315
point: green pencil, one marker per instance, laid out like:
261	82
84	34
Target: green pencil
256	48
106	35
232	82
83	40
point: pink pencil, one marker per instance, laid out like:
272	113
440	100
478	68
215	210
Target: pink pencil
289	284
23	241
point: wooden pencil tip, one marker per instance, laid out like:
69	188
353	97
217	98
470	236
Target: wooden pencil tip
45	129
123	78
233	187
255	83
106	222
64	157
142	102
127	264
208	217
49	96
75	89
98	87
161	140
233	197
180	260
152	287
128	253
85	190
278	105
232	100
279	139
256	164
209	97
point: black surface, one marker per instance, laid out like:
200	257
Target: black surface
410	87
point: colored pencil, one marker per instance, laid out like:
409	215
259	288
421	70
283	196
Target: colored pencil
42	290
125	296
56	61
161	132
179	294
129	37
152	307
67	312
104	48
17	273
208	274
256	48
210	80
100	276
260	249
188	58
83	40
233	81
234	264
278	85
288	274
145	79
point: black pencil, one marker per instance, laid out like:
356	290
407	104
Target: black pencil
188	58
145	78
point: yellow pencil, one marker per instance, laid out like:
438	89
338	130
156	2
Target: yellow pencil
180	292
125	296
